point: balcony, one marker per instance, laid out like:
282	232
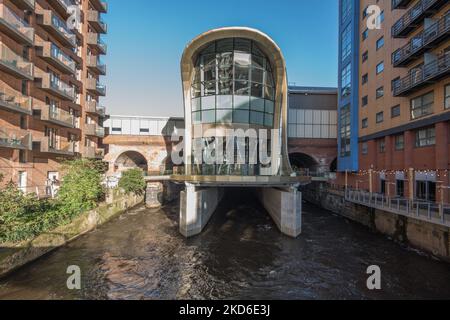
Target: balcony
95	87
432	36
96	65
58	28
400	4
94	130
15	27
15	139
100	6
57	116
94	108
57	58
26	4
57	147
94	41
94	18
426	74
55	86
14	64
94	153
62	6
411	19
14	101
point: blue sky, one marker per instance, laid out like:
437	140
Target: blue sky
146	39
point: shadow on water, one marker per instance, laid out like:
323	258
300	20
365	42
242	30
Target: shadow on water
241	254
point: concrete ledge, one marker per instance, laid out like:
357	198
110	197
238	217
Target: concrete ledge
19	255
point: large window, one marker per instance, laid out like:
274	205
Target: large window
399	142
346	9
422	106
233	83
426	137
346	42
346	78
345	131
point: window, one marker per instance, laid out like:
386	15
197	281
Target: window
380	67
380	117
364	13
365	101
365	148
425	137
395	84
23	122
400	186
380	92
365	34
426	190
380	18
422	106
345	131
380	43
365	79
22	156
365	56
346	42
447	97
118	130
144	130
365	123
399	142
395	111
346	9
382	146
346	80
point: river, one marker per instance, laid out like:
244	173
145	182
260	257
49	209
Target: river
240	255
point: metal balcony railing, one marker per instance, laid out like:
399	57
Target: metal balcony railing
418	44
15	26
418	77
15	139
400	4
13	63
15	101
409	21
421	210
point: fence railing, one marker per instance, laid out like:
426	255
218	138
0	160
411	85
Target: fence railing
420	210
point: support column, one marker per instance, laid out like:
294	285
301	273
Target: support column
154	195
196	208
285	208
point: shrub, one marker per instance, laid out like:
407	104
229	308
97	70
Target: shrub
132	181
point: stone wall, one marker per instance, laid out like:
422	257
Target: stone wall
23	253
425	236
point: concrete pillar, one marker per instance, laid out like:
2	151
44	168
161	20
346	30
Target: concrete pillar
196	208
285	208
154	195
411	182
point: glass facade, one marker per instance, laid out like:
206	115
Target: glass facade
233	83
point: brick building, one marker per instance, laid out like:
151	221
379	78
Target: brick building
49	87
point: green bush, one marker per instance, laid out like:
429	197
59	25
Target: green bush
132	181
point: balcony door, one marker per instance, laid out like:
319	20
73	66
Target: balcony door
22	181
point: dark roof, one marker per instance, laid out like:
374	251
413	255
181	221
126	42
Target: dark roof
312	90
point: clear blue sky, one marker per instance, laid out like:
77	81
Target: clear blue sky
146	39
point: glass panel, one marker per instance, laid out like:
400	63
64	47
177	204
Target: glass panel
240	116
196	104
210	74
242	59
269	79
208	102
209	61
257	118
242	45
196	90
268	120
209	116
257	90
209	88
241	102
225	102
258	62
269	93
226	87
241	73
224	116
242	88
196	117
225	45
270	107
257	104
257	75
197	75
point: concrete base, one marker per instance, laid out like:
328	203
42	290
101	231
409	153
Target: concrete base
154	195
196	208
285	208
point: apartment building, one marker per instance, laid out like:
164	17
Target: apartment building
49	87
394	98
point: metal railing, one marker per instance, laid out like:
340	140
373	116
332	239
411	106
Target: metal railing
397	4
420	210
410	17
420	42
15	22
13	61
419	76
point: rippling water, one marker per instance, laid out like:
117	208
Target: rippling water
241	255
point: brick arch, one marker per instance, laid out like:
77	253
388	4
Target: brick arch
301	160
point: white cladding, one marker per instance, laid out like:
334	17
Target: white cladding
315	124
143	126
